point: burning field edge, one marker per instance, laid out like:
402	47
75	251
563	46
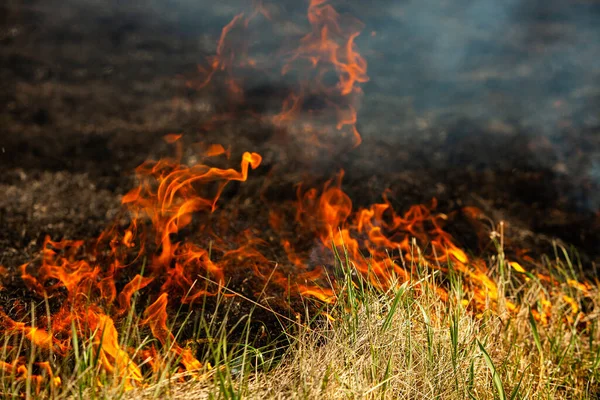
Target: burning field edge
402	343
252	268
408	343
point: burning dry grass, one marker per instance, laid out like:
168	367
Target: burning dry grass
404	343
407	343
394	307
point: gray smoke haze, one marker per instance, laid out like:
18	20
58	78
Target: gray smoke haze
536	61
528	66
502	58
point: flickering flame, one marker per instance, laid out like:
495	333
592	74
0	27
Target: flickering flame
329	49
112	358
156	318
97	281
167	196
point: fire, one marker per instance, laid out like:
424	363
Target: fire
112	358
327	50
86	279
156	318
172	250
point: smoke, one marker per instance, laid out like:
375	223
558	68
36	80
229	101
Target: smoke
535	61
491	58
529	68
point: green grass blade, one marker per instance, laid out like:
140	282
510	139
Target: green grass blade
495	376
515	391
392	311
536	334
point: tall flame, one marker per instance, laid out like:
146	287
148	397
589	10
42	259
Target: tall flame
327	50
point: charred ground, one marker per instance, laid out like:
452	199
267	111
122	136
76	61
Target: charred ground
89	89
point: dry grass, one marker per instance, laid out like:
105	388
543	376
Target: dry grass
408	343
404	343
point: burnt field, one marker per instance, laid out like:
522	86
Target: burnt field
89	89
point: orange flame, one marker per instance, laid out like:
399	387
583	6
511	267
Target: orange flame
96	283
168	195
156	318
328	49
112	358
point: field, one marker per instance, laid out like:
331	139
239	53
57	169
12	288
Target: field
263	200
403	343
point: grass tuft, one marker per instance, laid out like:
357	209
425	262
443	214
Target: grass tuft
404	343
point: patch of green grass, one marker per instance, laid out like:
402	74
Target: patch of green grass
404	342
